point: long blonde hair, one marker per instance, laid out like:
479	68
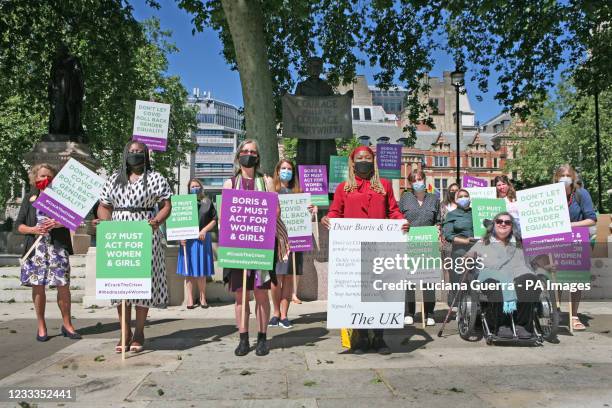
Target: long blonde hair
237	168
201	194
351	182
34	172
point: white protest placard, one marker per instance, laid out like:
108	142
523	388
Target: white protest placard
481	192
71	195
297	219
543	211
356	298
151	121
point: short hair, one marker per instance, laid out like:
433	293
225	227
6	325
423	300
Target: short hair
36	168
413	175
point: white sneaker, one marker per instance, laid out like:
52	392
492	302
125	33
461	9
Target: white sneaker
430	322
408	320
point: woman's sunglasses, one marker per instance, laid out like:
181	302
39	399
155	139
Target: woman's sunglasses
504	222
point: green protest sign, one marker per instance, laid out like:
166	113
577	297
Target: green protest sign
485	209
183	222
338	172
123	260
424	248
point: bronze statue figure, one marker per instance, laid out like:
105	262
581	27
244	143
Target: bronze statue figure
66	91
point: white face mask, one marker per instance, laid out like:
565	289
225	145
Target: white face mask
567	180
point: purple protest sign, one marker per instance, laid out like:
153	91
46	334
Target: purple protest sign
313	180
577	254
248	229
548	244
60	213
389	160
152	143
471	181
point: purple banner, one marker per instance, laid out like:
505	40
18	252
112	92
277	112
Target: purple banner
470	181
248	219
313	179
389	156
300	244
548	244
577	254
60	213
153	143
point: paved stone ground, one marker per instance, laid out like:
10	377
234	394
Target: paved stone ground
189	362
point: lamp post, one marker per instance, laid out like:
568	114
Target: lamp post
457	79
598	149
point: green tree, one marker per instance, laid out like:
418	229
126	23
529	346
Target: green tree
524	42
563	131
123	60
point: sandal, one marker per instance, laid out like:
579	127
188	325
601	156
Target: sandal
138	347
119	347
296	300
577	324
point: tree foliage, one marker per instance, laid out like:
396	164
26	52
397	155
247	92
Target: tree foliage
563	131
123	60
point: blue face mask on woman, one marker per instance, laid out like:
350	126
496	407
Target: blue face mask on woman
195	190
285	174
463	202
418	186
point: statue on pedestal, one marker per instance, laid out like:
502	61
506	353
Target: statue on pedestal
66	92
312	151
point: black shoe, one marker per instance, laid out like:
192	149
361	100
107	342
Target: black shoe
42	338
73	335
522	332
361	347
505	332
243	346
379	345
261	349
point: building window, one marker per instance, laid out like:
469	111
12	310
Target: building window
441	185
476	161
495	162
356	114
440	161
367	114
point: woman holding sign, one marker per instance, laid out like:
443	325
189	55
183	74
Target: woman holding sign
365	195
131	194
47	264
248	177
200	262
421	209
285	181
582	214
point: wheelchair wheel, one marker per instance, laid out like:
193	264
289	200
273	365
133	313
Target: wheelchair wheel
467	314
546	318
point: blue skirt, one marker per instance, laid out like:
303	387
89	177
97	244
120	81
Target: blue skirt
200	260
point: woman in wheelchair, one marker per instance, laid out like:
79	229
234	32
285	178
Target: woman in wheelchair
503	287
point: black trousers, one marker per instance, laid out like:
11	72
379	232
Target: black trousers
363	333
526	302
430	302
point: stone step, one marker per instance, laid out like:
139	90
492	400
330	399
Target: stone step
13	283
15	272
25	296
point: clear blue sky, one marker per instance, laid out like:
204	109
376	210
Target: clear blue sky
200	64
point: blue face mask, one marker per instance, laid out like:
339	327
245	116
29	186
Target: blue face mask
195	190
285	175
463	202
418	186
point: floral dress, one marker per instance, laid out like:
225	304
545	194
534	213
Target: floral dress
134	195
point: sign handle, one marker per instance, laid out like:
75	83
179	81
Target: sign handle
32	248
123	330
405	176
185	257
317	230
244	291
423	318
294	277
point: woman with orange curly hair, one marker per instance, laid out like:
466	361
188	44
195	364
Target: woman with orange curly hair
365	195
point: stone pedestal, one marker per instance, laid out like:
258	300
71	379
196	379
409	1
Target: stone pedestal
58	152
313	282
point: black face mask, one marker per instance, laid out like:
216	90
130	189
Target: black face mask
248	161
451	195
135	159
364	169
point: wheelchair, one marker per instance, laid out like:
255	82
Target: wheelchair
475	318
